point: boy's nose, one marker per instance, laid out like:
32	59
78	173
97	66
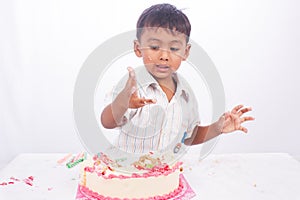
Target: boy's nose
164	55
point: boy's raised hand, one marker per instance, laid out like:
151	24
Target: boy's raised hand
132	92
232	121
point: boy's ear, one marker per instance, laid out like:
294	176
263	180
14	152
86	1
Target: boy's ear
137	48
186	52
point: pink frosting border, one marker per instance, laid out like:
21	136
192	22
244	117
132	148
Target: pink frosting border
183	192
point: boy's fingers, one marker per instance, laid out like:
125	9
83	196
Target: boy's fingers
131	72
131	82
142	102
133	90
149	101
247	119
244	110
245	130
236	108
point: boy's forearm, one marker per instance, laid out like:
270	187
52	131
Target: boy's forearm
112	115
202	134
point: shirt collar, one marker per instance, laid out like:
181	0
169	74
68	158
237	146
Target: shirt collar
145	80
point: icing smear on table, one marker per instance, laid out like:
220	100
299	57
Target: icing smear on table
12	180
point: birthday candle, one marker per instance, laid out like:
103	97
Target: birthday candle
72	164
72	159
60	161
78	156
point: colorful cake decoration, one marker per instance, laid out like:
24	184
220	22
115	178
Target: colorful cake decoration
76	160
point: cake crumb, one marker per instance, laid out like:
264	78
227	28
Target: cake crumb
14	179
29	180
217	161
211	173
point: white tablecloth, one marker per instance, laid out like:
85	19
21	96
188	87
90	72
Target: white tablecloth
229	176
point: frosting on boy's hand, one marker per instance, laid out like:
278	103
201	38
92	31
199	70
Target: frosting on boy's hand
131	89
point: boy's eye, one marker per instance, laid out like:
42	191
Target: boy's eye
174	49
153	47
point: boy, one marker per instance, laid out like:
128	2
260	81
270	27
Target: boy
168	116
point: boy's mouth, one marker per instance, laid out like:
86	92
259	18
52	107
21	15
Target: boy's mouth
162	68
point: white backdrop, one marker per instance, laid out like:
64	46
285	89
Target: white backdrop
254	44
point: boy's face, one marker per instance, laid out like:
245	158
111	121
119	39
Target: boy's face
162	51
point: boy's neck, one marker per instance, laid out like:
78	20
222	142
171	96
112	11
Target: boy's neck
168	87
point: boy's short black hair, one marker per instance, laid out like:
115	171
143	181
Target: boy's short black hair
164	16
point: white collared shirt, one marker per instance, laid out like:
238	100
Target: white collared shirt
161	125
